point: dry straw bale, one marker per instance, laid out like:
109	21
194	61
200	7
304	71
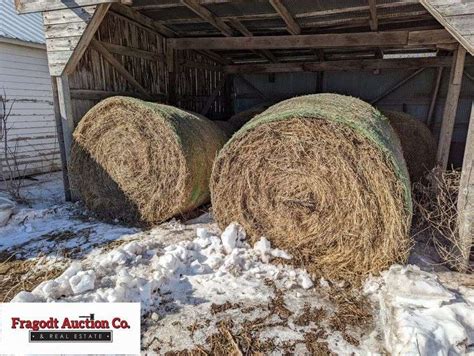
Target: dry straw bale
323	177
418	143
240	119
142	162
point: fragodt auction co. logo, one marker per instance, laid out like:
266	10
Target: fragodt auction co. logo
85	328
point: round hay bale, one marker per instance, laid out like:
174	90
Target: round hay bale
323	177
142	162
240	119
226	127
418	143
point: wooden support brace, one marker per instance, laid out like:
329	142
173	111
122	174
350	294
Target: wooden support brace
118	67
205	14
396	86
466	201
86	37
450	107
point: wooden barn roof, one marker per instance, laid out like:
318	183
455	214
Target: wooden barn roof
274	32
457	16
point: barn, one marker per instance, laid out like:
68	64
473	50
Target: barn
25	86
220	57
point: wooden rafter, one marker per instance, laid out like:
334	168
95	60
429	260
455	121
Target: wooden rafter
349	11
239	26
374	22
362	39
143	20
205	14
291	24
87	36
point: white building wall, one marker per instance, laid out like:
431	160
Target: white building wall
25	79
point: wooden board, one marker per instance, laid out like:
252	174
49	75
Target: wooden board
466	200
457	16
362	39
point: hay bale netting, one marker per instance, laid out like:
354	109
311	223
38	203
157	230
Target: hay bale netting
323	177
142	162
418	143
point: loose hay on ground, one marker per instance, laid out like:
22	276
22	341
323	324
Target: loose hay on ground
418	143
323	177
142	162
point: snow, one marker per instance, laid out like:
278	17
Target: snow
419	315
178	271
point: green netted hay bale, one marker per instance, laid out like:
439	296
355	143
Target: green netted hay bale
142	162
323	177
418	143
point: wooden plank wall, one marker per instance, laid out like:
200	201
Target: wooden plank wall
142	53
197	78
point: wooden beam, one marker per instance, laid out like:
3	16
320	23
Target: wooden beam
119	67
133	52
450	107
214	95
373	22
205	14
350	64
291	24
86	37
143	20
434	97
27	6
60	132
396	86
466	201
362	39
239	26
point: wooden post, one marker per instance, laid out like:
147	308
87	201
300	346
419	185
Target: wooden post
450	107
466	200
64	125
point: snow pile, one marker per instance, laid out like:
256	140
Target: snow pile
207	268
419	315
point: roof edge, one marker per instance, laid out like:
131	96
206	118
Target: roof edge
22	43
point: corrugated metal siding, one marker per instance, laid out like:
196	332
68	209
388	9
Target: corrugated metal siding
25	78
27	27
413	97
